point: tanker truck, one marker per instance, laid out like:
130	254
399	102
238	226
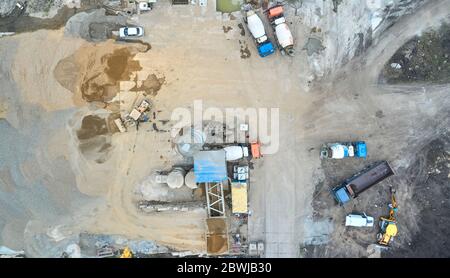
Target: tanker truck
283	35
343	150
256	27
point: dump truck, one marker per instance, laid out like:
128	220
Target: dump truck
361	181
344	149
256	28
283	35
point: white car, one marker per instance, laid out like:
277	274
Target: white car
145	6
357	220
130	32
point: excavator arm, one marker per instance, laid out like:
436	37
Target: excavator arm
389	225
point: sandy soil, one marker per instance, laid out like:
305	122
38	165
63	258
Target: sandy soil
35	79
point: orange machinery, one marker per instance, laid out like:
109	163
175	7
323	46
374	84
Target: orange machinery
256	149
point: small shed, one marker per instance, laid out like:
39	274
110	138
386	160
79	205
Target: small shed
210	166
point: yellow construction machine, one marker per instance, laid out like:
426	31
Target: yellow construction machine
388	225
126	253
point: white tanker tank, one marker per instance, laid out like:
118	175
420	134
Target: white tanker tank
281	29
342	150
189	180
175	179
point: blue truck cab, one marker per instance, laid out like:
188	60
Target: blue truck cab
361	149
265	49
341	195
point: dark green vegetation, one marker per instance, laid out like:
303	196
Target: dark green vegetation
424	58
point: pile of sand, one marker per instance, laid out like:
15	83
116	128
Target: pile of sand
93	73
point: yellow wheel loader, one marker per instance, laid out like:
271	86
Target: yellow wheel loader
388	226
126	253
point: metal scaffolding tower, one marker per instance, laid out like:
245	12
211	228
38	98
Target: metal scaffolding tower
215	200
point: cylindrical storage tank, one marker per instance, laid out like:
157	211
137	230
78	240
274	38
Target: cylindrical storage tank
284	35
338	151
189	180
255	25
190	142
157	178
175	179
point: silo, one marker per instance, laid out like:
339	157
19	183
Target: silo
189	180
158	178
190	142
175	178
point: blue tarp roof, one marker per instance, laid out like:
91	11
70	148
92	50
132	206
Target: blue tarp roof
210	166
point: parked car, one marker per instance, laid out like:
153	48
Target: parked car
130	32
146	6
20	5
358	220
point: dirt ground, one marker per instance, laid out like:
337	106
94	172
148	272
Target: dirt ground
421	188
384	144
65	172
426	210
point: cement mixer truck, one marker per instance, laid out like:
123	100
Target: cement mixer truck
281	30
256	28
343	150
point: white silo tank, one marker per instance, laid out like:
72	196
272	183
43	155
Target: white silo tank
158	178
175	178
189	180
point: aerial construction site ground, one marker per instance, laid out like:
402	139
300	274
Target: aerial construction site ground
67	174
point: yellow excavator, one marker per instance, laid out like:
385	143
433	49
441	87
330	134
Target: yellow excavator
388	225
126	253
